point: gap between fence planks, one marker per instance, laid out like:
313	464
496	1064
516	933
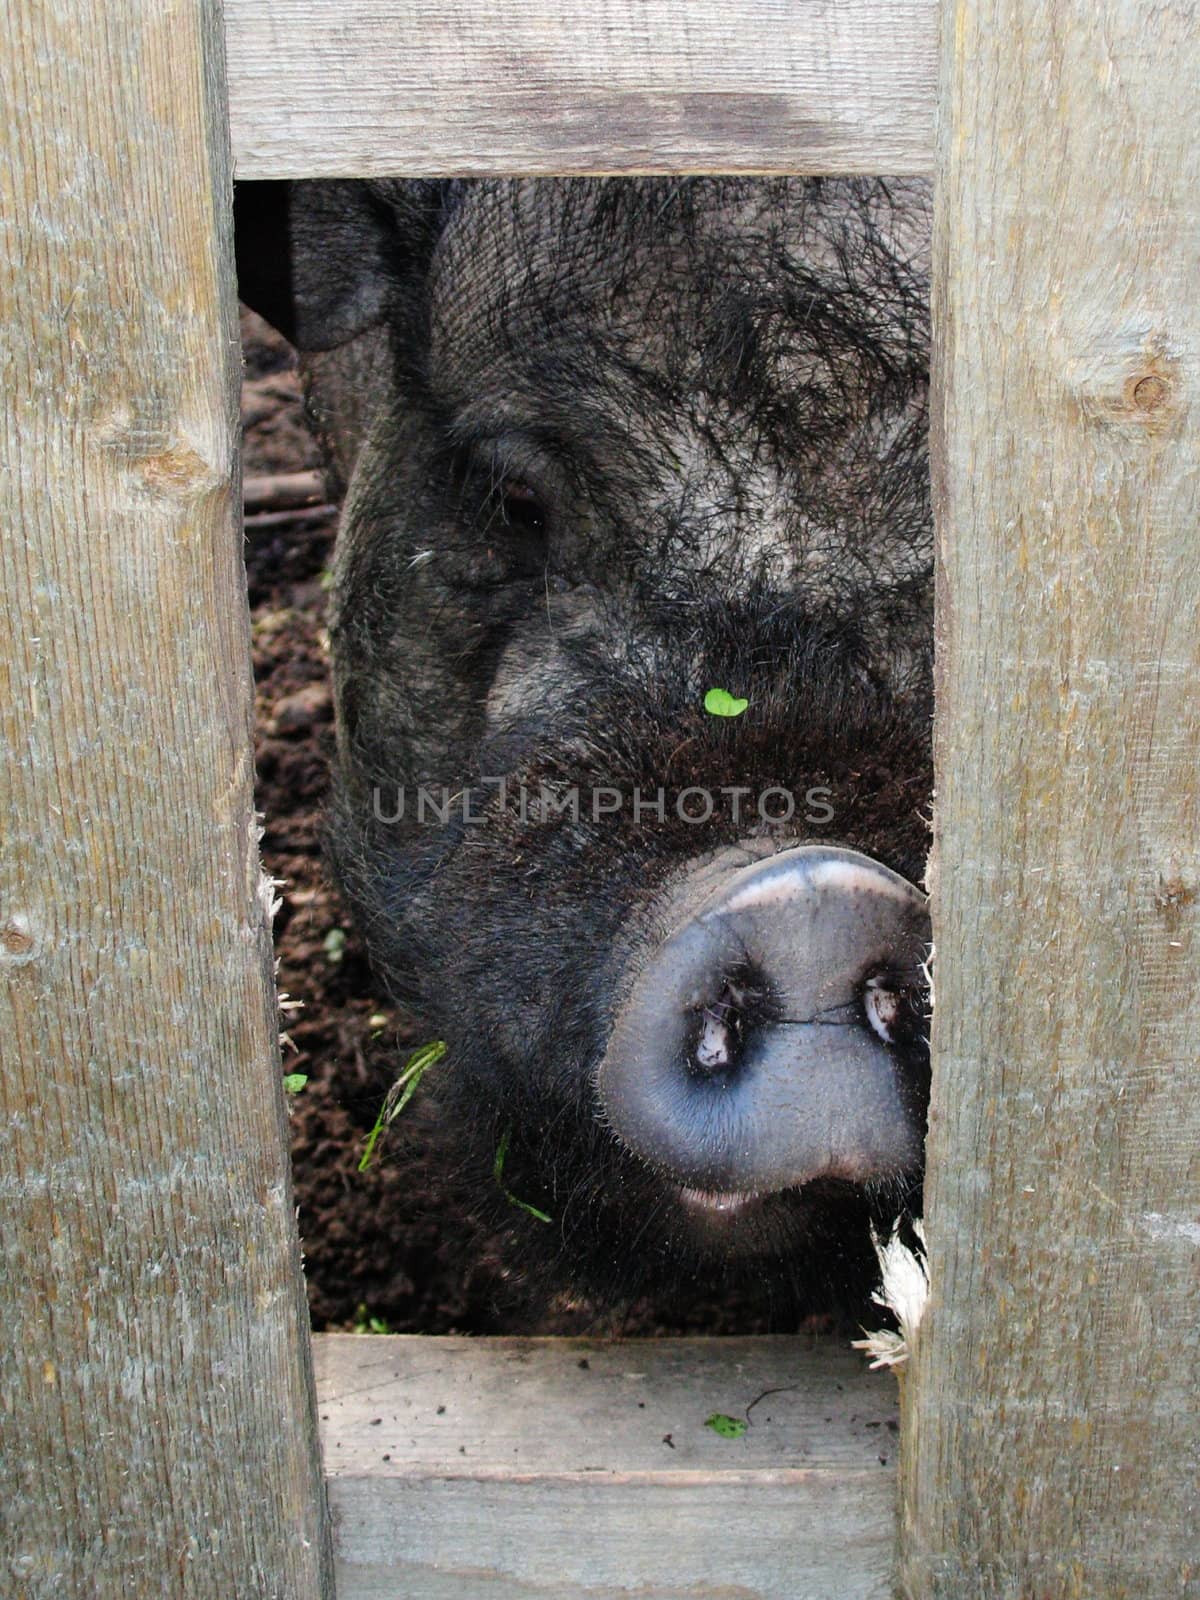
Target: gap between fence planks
368	88
159	1436
1053	1444
583	1469
280	491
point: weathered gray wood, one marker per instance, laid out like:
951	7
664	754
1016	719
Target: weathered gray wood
327	88
504	1469
155	1376
1053	1446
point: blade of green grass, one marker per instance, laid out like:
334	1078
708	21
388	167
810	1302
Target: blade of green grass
401	1092
498	1174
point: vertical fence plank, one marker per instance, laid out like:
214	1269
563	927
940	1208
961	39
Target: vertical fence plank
155	1375
1052	1441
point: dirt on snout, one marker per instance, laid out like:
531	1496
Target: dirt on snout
394	1247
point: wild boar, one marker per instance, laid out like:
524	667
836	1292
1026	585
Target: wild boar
632	650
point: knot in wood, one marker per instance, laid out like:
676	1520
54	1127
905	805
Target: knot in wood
1149	393
16	938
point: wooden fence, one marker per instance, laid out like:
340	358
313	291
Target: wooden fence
160	1435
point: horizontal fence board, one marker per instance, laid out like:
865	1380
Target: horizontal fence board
507	1468
367	88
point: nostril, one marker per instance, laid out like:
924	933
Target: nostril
723	1022
716	1044
894	1007
882	1003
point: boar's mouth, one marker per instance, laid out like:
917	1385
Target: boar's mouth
775	1039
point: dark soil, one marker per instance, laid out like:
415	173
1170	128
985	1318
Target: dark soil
396	1243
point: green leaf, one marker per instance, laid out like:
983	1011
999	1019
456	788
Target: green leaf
293	1082
334	945
401	1092
498	1174
364	1322
727	1427
720	703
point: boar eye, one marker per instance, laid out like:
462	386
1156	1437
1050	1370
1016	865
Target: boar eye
521	507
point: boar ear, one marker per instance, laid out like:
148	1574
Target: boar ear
319	259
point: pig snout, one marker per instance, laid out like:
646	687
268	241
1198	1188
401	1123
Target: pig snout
763	1044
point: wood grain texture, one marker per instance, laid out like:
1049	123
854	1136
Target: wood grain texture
363	88
156	1380
1052	1447
505	1469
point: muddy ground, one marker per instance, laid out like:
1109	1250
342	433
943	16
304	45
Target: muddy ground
395	1246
